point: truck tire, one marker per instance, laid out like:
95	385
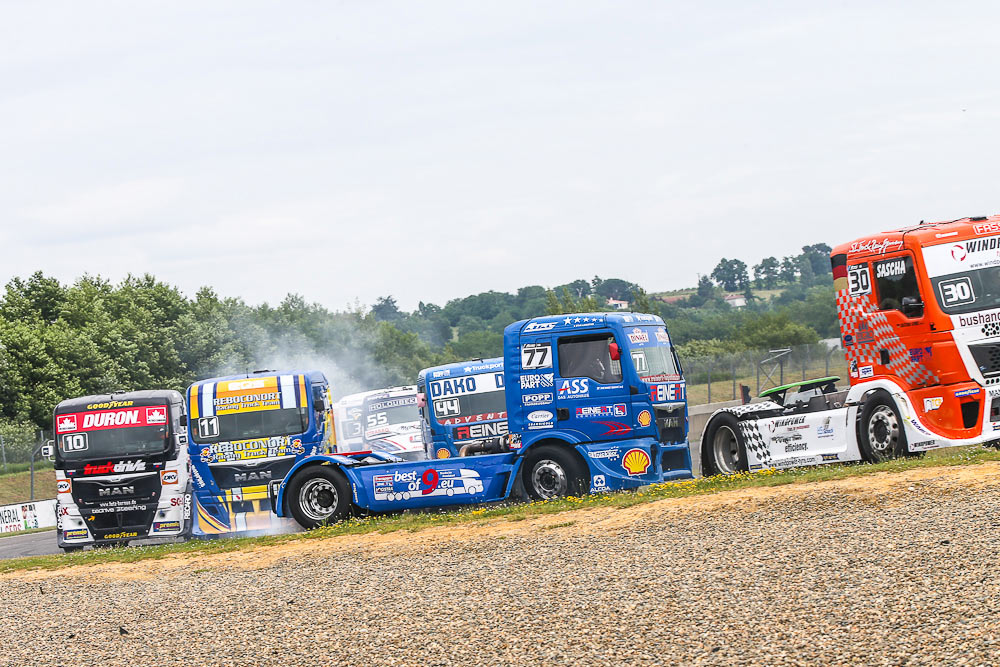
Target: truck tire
880	429
319	495
551	471
723	451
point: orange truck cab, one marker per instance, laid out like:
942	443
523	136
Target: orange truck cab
919	312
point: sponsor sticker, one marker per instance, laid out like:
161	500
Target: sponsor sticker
168	476
866	372
536	399
112	468
536	381
829	457
594	411
442	453
575	388
638	336
933	403
972	391
64	486
610	454
599	482
76	534
539	416
644	418
923	445
673	391
635	462
539	326
166	526
875	246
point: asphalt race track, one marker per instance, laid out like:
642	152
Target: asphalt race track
32	544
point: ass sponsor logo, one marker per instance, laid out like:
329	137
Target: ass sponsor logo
575	388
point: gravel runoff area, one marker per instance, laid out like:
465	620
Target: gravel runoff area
888	569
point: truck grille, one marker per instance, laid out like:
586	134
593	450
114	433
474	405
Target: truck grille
144	489
670	422
987	358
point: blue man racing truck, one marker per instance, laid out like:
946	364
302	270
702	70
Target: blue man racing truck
463	410
595	402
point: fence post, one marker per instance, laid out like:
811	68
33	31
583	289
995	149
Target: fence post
732	371
3	450
32	466
711	367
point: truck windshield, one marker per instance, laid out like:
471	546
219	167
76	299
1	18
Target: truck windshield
652	354
134	431
383	413
252	424
968	291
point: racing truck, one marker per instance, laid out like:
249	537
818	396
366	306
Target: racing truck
919	312
348	419
121	464
462	408
392	423
595	402
246	431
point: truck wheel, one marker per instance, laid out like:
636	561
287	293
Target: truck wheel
880	429
551	471
319	495
723	451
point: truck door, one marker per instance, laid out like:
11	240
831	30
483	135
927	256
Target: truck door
900	347
591	398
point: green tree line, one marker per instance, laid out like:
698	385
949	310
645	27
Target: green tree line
60	341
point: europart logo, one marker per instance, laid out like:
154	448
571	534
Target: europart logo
635	461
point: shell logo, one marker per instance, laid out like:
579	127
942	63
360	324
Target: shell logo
644	418
443	453
635	461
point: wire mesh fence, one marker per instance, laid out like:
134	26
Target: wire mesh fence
721	378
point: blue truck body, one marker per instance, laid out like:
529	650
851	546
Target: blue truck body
461	405
605	389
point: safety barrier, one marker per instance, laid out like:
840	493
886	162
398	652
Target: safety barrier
27	516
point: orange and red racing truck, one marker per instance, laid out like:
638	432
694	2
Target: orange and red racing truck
919	312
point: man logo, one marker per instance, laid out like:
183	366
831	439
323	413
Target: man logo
261	476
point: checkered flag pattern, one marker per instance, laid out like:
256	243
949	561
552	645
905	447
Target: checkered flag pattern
871	332
753	441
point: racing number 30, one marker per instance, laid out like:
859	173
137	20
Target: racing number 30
858	279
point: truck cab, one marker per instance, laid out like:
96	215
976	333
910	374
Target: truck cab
392	423
121	465
919	311
595	402
462	408
349	421
608	384
245	433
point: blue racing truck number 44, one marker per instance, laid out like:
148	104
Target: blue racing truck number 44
594	401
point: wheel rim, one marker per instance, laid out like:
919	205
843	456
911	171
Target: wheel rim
318	499
549	480
726	450
883	431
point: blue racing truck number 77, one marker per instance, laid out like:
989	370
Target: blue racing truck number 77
595	402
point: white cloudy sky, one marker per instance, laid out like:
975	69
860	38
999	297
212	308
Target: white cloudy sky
429	150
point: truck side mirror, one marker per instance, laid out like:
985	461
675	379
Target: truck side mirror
319	403
421	400
184	420
912	306
616	352
48	450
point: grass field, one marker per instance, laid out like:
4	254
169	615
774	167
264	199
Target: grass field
510	511
15	487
